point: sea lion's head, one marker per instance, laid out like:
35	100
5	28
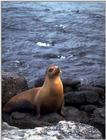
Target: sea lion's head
53	71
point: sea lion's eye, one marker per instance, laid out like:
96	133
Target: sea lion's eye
51	69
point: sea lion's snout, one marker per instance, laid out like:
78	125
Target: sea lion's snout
56	69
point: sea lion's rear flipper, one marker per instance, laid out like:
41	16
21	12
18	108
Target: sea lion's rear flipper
20	106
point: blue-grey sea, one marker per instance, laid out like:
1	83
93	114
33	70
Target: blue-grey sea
69	34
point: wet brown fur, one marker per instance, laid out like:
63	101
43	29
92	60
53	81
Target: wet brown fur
46	99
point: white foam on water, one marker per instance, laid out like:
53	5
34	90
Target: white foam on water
43	44
62	57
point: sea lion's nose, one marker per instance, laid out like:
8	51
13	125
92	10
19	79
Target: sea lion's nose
56	67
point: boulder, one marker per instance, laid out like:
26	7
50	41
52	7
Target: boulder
99	115
99	90
74	114
98	119
12	84
39	82
81	97
63	130
88	108
70	84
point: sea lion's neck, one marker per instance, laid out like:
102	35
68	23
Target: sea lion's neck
53	82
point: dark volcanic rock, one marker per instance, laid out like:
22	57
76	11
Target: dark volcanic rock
99	115
70	84
21	120
81	97
98	119
99	90
39	82
74	114
88	108
12	84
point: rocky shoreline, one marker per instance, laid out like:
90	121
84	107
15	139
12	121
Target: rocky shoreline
83	103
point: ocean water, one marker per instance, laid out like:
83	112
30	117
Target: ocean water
69	34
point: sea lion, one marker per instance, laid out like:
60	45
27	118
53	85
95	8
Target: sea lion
46	99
